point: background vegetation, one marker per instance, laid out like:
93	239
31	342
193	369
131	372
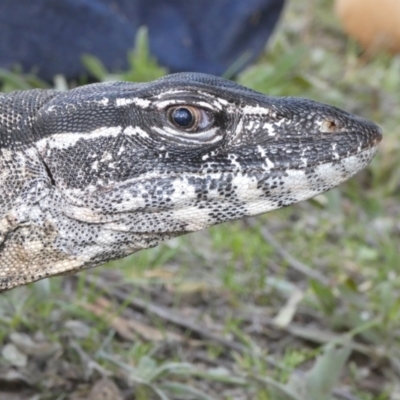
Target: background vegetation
302	303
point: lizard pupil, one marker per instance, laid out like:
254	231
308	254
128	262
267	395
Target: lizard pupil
183	117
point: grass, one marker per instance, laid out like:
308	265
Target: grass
226	313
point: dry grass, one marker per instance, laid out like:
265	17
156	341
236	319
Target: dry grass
302	303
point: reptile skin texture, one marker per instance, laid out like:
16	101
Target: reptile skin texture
102	171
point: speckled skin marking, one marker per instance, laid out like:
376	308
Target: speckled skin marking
99	172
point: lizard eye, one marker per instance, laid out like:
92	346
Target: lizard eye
189	118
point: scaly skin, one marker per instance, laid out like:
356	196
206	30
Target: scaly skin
101	171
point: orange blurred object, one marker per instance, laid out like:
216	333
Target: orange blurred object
374	24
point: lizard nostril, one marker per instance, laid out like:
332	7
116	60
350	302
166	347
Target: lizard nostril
330	126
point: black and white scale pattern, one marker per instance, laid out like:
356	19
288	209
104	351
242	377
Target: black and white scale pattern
101	171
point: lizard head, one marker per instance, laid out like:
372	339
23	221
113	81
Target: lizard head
130	165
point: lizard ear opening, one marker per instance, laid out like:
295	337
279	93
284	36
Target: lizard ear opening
50	175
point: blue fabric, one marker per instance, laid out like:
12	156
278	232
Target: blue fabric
50	36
